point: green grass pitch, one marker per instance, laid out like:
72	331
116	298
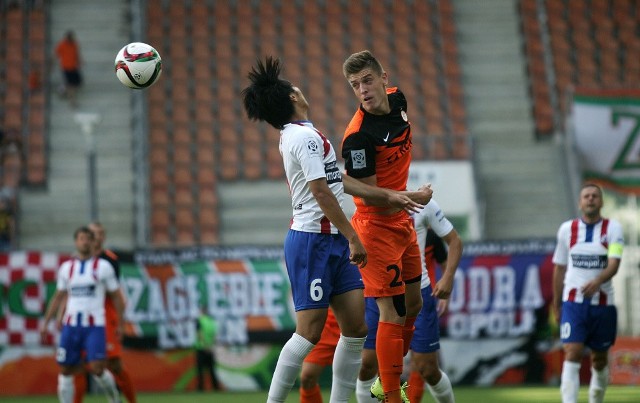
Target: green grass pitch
617	394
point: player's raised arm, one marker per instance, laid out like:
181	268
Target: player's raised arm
410	201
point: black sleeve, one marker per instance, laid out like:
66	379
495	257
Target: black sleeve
359	154
114	263
398	100
439	249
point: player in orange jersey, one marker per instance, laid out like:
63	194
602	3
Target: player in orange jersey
377	151
113	332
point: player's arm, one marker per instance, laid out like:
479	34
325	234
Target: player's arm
332	210
591	287
614	254
118	304
410	201
52	310
114	292
61	310
559	271
444	286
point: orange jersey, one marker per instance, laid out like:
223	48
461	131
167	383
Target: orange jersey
379	145
114	346
69	55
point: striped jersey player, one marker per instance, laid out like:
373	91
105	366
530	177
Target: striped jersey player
586	258
84	281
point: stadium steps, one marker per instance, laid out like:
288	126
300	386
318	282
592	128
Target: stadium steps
242	213
49	216
519	178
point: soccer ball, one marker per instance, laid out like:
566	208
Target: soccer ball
138	65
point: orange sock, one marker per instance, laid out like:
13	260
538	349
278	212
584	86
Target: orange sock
312	395
80	386
416	387
389	346
123	380
407	333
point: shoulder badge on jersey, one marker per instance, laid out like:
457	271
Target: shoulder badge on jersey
312	147
359	159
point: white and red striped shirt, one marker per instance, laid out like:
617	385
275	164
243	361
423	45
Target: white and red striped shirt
86	283
585	250
308	155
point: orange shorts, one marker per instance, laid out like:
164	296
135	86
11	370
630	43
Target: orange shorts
322	353
114	346
393	255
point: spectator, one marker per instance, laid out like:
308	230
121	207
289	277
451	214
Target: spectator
7	225
68	53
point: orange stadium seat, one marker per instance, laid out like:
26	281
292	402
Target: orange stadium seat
187	109
207	197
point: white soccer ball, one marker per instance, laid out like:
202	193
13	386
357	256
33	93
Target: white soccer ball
138	65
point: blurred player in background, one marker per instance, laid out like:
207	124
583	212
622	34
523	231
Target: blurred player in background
84	281
587	256
377	151
114	344
432	227
321	248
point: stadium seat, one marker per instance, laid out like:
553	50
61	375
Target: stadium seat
225	146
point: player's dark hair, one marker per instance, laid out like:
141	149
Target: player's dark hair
82	230
360	61
267	97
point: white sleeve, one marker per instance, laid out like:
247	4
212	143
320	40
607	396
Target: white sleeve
308	150
437	220
63	276
108	275
420	223
616	236
561	254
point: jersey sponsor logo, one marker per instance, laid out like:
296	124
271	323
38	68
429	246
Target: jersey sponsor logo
332	172
589	261
402	147
359	159
298	206
313	148
83	290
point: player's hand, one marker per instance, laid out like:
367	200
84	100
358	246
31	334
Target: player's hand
44	333
443	306
443	288
590	288
425	194
402	201
357	255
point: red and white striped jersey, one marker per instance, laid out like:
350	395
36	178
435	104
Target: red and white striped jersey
308	155
86	283
585	250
